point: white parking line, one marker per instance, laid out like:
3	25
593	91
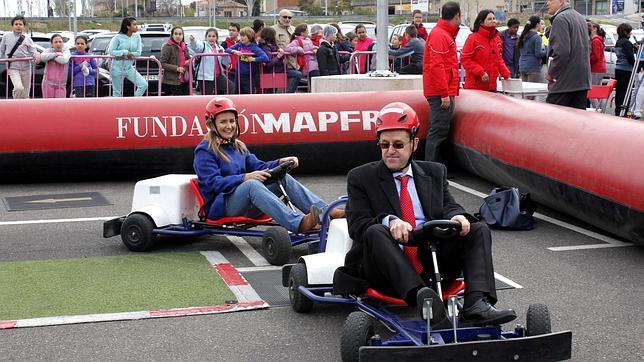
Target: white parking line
259	268
588	246
256	258
54	221
507	281
612	242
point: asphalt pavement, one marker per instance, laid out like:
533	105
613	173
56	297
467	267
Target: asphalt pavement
594	289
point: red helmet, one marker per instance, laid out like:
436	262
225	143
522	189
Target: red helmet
218	105
397	115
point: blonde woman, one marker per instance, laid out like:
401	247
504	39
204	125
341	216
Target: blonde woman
231	178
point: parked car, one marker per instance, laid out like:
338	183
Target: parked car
90	33
104	80
200	33
68	38
156	27
152	42
347	26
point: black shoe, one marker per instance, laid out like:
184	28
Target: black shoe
439	317
483	313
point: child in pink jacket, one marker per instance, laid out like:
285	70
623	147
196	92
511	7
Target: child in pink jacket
56	64
302	47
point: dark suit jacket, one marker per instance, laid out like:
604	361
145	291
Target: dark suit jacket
372	196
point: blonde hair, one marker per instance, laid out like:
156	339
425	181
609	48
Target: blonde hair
248	32
214	141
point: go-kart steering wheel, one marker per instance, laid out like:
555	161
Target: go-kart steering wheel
436	229
278	172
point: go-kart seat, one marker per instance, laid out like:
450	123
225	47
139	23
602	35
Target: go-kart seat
454	288
260	220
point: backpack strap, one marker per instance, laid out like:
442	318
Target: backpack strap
15	46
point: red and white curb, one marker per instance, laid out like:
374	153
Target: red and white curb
246	296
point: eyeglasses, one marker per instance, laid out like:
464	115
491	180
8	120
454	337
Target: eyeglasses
287	17
397	145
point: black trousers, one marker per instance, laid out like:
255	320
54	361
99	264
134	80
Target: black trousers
571	99
411	68
622	77
440	120
388	270
175	90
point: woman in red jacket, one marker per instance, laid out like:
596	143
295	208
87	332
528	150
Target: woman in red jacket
597	58
481	56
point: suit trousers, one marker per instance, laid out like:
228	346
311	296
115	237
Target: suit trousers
440	120
387	269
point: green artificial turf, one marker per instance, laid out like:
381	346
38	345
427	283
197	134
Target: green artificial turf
43	288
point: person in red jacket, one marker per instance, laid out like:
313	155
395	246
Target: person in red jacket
440	78
417	21
482	54
597	58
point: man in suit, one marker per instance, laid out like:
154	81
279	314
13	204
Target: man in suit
387	199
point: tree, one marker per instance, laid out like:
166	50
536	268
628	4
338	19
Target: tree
167	7
61	7
311	7
250	4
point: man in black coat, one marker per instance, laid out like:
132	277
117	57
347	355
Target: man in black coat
380	222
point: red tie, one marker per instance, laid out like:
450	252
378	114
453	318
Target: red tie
407	207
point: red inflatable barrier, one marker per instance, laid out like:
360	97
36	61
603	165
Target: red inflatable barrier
583	163
61	138
156	122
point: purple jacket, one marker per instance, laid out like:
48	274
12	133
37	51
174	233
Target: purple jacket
218	177
79	79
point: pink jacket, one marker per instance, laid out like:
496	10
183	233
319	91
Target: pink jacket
295	48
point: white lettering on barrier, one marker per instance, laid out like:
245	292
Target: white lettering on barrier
263	123
270	123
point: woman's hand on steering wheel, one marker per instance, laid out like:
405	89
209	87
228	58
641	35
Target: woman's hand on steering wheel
284	160
260	176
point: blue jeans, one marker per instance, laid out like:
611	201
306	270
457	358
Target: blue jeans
255	193
294	77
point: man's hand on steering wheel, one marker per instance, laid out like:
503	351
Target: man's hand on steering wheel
400	230
284	160
260	176
465	224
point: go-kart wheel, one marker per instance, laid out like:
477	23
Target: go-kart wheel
356	332
299	302
276	244
538	320
136	232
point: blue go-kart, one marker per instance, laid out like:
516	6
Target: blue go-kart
173	205
311	281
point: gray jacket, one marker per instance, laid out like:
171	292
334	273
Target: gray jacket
415	48
26	49
569	48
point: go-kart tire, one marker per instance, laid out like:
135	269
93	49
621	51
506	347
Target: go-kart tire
136	232
356	332
299	301
538	320
276	244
